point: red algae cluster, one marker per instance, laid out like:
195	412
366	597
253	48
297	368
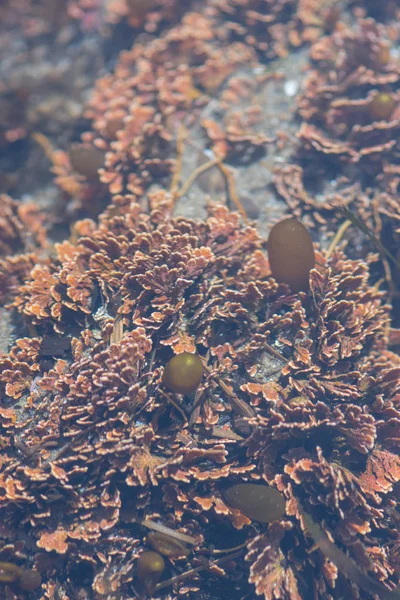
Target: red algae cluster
274	27
350	103
137	110
188	406
96	439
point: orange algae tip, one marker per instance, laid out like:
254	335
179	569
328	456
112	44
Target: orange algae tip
151	566
384	55
183	373
29	580
382	106
258	502
291	254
